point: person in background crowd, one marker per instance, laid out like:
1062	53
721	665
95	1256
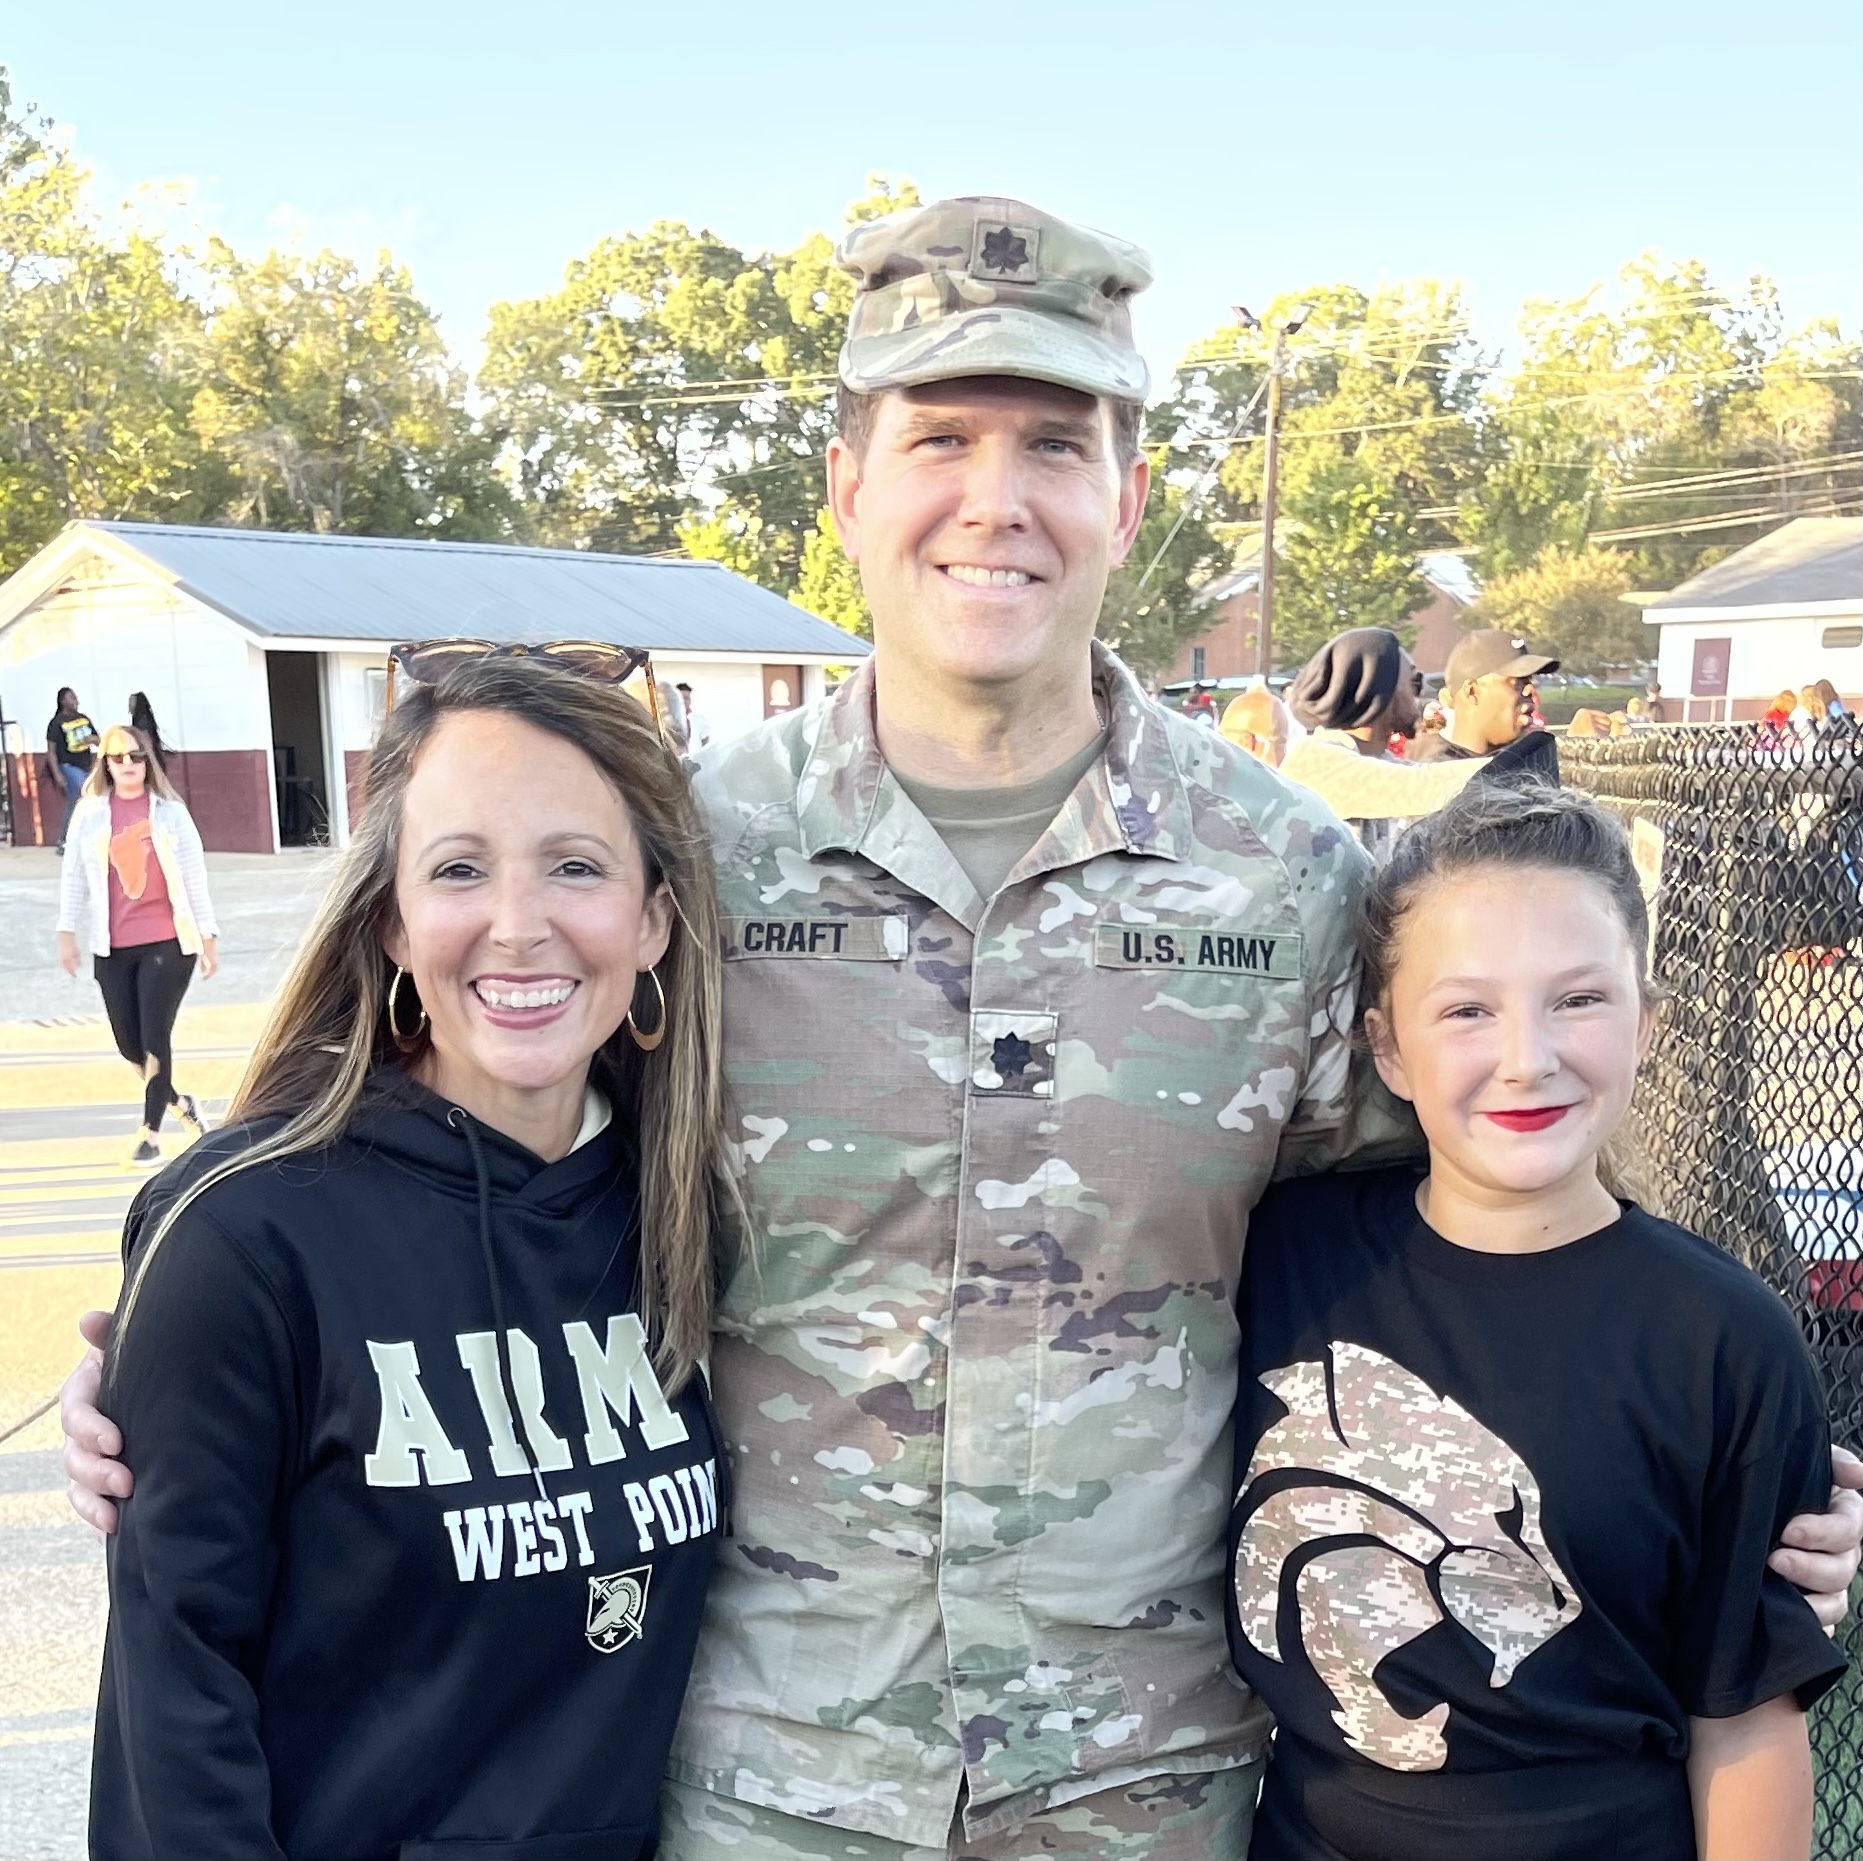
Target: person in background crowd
135	887
70	750
1258	722
698	725
1488	689
1653	703
142	721
1775	730
428	1487
1637	711
1361	685
1588	723
1808	714
1200	706
1354	695
1834	706
672	716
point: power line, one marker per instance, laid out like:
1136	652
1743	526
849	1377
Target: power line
1464	418
1707	482
1732	520
1192	498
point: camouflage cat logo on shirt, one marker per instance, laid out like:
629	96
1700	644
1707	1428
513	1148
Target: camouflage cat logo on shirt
1439	1492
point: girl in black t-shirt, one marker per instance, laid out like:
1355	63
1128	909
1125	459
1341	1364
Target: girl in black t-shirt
1511	1453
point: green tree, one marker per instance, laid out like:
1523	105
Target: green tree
829	584
1349	558
95	355
1677	427
1151	608
1570	602
1377	447
677	394
329	394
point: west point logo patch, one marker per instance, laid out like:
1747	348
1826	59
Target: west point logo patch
1273	955
851	939
1007	253
617	1608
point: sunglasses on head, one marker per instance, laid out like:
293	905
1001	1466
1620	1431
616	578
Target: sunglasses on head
426	662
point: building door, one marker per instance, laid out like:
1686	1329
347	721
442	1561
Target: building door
1708	678
782	689
294	683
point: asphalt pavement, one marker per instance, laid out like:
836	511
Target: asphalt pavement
68	1109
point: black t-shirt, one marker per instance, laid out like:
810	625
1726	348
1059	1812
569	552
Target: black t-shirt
1497	1512
72	739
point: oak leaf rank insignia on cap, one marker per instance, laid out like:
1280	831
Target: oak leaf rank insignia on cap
1006	252
989	286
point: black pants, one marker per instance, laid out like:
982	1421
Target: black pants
142	990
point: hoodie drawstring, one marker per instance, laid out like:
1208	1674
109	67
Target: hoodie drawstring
460	1121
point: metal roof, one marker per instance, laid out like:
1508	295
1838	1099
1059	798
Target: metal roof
393	588
1809	559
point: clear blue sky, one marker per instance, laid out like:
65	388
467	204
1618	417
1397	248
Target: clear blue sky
1524	149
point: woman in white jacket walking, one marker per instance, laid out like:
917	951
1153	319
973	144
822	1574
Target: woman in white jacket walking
135	890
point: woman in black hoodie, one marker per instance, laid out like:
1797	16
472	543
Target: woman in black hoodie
406	1360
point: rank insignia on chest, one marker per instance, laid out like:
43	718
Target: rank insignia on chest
617	1608
1274	955
1012	1055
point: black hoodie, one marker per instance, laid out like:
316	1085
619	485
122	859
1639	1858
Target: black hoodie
354	1608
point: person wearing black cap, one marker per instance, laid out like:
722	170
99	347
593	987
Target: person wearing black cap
1488	689
1361	682
1357	692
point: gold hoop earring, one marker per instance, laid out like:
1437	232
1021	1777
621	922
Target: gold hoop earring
647	1042
406	1042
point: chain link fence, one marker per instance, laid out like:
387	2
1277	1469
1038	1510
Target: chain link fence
1748	1121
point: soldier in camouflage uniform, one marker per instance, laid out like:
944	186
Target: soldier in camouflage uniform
978	1365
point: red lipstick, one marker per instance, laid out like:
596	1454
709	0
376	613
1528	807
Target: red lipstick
1539	1119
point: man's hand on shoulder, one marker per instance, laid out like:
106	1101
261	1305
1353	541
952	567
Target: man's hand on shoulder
1818	1551
92	1441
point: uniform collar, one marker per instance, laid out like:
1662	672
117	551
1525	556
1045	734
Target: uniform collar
1133	800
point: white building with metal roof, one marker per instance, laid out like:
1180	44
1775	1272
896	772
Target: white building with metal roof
1778	615
264	654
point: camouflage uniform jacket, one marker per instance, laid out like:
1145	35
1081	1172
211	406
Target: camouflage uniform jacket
978	1368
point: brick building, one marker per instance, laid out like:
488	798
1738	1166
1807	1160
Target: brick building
1230	649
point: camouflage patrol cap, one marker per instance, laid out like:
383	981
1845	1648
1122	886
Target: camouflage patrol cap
986	286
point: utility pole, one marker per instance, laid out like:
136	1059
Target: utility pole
1270	472
1264	623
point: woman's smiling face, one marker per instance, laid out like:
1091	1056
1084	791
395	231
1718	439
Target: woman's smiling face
524	906
1514	1023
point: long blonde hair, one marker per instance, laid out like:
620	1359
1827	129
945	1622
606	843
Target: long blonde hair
329	1028
116	740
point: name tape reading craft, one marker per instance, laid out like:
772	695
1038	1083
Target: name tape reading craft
882	939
